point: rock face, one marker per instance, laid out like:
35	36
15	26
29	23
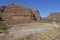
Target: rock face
54	16
1	11
37	15
18	12
2	8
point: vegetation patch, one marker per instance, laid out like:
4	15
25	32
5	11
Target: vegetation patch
3	27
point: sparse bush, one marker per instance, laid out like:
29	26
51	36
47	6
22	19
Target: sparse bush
3	27
20	39
5	31
47	20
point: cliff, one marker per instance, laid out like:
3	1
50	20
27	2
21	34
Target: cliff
54	16
19	12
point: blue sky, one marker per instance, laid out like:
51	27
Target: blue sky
45	7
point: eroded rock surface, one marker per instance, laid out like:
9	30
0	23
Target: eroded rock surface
18	12
54	16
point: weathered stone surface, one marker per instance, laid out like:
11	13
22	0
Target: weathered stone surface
37	15
2	8
18	12
0	14
54	16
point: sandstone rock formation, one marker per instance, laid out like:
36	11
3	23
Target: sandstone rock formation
2	8
0	16
18	12
37	15
54	16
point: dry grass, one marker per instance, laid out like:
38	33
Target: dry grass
33	25
53	34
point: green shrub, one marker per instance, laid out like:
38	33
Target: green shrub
3	27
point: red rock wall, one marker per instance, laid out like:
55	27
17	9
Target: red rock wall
13	12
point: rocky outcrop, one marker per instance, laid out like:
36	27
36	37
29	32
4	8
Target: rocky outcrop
2	8
37	15
18	12
54	16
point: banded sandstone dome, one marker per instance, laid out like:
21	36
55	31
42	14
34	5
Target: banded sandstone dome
19	13
54	16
